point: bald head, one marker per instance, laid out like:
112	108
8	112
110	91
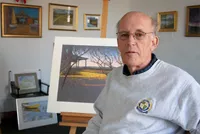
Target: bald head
141	15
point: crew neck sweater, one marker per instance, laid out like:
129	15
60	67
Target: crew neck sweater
162	100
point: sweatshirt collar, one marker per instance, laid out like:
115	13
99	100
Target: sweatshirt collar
153	60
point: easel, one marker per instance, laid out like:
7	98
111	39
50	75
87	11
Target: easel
75	120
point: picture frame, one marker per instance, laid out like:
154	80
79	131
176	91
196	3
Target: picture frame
192	21
73	59
92	21
63	17
32	112
167	21
27	83
21	21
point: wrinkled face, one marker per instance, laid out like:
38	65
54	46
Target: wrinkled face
136	40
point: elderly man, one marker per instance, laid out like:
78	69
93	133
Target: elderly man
146	95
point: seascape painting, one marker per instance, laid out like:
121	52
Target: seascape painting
21	21
34	111
83	71
26	82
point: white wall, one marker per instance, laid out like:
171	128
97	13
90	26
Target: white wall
27	54
174	47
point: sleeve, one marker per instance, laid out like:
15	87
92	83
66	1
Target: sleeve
187	113
95	123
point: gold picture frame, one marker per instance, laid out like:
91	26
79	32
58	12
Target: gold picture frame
21	21
63	17
192	23
92	21
167	21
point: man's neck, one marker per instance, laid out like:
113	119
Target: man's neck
132	69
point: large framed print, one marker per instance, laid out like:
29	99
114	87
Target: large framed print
32	112
79	69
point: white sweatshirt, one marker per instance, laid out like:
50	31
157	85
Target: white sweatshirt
162	100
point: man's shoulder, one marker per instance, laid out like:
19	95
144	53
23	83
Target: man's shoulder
116	71
175	71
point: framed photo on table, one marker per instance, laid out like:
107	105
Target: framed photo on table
63	17
167	21
193	21
92	21
32	112
27	82
21	20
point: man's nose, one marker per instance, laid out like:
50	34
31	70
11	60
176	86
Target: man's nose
131	40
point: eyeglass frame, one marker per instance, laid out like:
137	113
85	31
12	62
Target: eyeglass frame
133	34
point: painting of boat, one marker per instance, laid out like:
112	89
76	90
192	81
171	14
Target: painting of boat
27	106
35	111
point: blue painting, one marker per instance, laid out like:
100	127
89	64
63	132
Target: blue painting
35	111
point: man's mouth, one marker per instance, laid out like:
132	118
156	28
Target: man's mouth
131	52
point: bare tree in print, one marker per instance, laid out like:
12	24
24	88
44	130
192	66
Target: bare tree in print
104	59
71	55
118	59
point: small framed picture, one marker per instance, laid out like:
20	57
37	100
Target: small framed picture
21	21
167	21
63	17
32	112
193	21
92	21
27	82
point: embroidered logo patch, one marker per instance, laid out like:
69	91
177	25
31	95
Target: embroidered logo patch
144	106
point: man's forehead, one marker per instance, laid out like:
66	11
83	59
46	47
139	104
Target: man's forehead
136	22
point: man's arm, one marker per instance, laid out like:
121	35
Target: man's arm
95	123
187	113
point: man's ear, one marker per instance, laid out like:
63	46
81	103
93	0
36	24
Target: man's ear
155	42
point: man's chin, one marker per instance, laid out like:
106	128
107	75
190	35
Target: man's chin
132	64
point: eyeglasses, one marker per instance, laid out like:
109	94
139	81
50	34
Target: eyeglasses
137	35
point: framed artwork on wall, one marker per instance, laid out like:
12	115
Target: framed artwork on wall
27	82
21	20
79	70
193	21
92	21
32	112
63	17
167	21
